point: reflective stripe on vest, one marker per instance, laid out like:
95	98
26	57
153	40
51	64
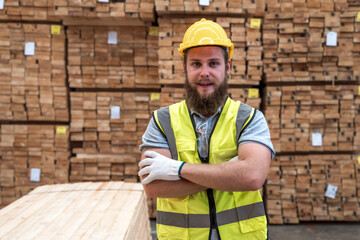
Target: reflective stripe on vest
162	116
202	220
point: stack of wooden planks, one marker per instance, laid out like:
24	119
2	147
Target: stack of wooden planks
32	68
313	187
164	7
112	57
106	130
102	210
297	115
311	47
31	155
311	72
28	10
246	66
112	10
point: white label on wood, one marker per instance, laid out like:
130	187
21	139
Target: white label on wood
29	48
331	191
35	174
115	112
103	0
331	39
204	2
1	4
112	38
316	139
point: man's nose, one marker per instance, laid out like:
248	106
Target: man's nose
204	71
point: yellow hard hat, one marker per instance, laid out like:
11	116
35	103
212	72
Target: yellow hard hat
205	33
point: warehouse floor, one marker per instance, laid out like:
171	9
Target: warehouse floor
313	231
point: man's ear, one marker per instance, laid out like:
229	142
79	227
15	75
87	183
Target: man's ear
228	66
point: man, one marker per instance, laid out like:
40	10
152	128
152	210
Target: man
205	158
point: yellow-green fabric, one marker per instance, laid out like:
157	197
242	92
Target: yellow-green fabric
240	215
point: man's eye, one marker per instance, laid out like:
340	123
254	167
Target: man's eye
213	64
195	64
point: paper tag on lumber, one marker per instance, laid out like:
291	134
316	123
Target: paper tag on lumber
253	93
154	31
61	130
255	23
316	139
55	29
29	49
112	37
155	97
115	112
204	2
35	174
331	191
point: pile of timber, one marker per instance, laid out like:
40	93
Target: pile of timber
30	10
165	7
313	118
112	10
250	96
247	64
313	188
311	47
32	70
103	210
31	155
106	130
312	6
112	57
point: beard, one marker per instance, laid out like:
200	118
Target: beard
206	105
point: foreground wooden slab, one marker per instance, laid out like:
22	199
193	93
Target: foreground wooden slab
101	210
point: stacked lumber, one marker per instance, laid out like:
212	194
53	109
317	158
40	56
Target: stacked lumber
313	188
246	66
112	57
313	6
106	130
246	95
39	10
165	7
112	10
311	46
32	155
306	118
104	210
32	70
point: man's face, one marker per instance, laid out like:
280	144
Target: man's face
206	79
206	69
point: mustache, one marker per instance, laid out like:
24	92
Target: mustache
205	80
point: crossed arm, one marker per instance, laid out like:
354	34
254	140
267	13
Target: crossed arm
248	173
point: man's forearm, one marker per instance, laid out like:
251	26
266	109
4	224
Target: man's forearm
172	189
246	174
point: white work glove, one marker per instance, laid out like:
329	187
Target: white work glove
159	167
234	159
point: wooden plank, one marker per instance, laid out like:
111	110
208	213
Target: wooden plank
113	207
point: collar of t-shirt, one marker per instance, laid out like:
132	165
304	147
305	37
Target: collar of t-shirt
200	120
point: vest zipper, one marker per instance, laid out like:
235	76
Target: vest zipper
210	191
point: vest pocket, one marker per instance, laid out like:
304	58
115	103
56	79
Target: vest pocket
186	150
223	155
253	224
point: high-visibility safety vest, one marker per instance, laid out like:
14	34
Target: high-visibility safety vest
236	215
